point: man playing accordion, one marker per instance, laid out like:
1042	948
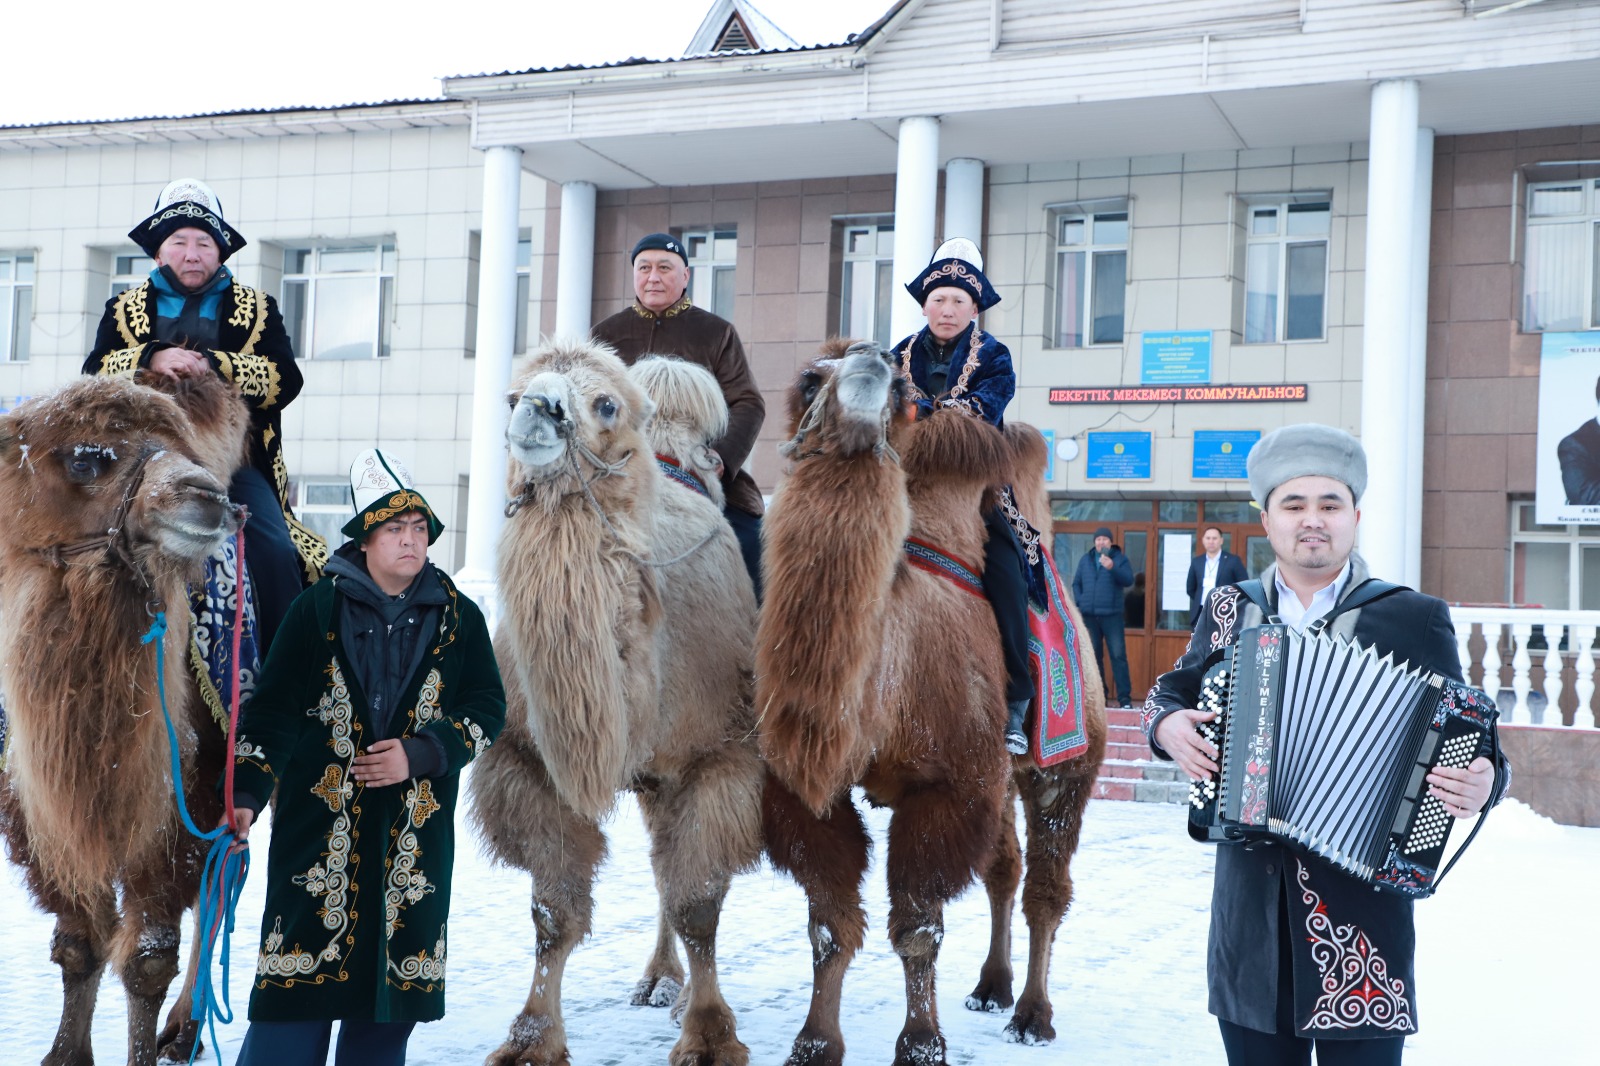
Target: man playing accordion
1303	955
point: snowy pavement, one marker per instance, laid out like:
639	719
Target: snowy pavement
1505	962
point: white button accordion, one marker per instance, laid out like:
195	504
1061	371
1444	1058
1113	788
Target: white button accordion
1326	746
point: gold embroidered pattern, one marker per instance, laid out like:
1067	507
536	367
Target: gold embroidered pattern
336	711
401	502
422	804
953	269
250	309
254	376
473	736
970	365
428	700
332	788
312	548
407	884
420	967
683	304
133	315
120	364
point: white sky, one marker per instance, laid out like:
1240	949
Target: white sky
96	59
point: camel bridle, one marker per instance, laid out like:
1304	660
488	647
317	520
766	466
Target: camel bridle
114	540
792	449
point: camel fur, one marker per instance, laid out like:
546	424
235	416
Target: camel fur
625	645
86	800
871	671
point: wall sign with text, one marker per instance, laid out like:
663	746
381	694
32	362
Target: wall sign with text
1118	456
1220	454
1175	358
1179	394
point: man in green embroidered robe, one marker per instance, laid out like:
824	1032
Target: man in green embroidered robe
191	316
381	687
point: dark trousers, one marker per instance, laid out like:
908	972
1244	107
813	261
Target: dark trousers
1108	633
1005	581
1250	1047
306	1043
747	527
269	554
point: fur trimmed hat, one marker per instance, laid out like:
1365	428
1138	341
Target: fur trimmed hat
1302	450
959	264
187	202
384	488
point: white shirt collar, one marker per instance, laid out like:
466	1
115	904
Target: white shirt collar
1298	617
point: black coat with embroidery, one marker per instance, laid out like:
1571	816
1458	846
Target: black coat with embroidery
1353	947
252	352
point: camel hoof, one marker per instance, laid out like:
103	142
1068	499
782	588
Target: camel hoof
815	1051
656	992
179	1042
920	1049
709	1039
992	995
60	1057
1031	1026
533	1041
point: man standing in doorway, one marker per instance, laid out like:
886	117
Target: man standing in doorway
663	321
1099	585
1209	569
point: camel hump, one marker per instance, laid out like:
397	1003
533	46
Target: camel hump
686	394
218	416
1030	454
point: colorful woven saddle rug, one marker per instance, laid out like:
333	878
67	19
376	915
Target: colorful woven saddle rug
1059	732
675	471
212	603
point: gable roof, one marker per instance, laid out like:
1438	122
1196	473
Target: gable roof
736	25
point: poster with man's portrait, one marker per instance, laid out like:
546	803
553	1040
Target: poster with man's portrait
1567	472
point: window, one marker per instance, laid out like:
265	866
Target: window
712	255
323	504
129	270
338	301
1553	566
1286	270
867	283
16	306
524	258
1561	281
1091	272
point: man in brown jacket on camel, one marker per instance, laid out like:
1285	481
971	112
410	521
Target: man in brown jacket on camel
663	321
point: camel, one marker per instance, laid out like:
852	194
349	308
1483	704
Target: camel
876	672
119	493
625	645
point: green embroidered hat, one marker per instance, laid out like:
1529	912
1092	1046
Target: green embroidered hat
383	488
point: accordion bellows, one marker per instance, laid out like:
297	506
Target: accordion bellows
1326	746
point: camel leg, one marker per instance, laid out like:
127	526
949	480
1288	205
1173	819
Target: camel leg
526	825
707	827
177	1040
922	879
1053	804
993	991
144	951
828	858
80	953
663	972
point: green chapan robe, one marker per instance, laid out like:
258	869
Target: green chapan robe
358	878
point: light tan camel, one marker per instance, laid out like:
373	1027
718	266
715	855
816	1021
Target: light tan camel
875	671
115	495
625	645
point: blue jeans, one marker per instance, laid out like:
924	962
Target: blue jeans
1108	632
306	1043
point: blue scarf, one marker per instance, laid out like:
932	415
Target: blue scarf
169	301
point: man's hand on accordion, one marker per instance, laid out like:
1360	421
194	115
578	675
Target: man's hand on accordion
1463	792
1179	736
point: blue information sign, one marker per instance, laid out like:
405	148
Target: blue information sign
1176	358
1219	454
1118	457
1049	436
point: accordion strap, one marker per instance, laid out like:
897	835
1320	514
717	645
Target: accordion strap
1363	594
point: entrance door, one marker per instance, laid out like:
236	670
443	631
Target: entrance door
1159	537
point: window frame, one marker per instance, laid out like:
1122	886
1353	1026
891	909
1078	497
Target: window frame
16	326
1575	537
1587	215
300	321
702	290
123	280
1282	240
309	513
1088	212
880	314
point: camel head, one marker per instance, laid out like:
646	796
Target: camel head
848	401
690	416
105	465
573	407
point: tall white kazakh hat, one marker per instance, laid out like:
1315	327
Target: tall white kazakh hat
383	488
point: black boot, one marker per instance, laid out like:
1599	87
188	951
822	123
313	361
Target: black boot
1016	739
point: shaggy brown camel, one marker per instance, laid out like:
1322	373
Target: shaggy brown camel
117	494
625	645
858	682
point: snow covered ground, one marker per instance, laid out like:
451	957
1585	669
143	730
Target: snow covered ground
1505	962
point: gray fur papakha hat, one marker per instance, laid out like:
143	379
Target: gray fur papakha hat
1302	450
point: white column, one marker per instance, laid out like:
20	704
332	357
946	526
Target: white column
497	326
575	261
1421	229
916	196
963	200
1388	342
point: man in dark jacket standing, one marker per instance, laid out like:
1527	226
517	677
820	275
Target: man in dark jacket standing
1211	569
1302	954
663	321
1098	587
381	687
1578	455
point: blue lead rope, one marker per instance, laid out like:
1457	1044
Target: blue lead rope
221	881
